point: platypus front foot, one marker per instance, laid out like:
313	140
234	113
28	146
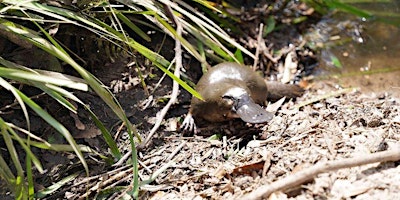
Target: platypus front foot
188	124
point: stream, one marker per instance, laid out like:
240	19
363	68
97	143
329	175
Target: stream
371	61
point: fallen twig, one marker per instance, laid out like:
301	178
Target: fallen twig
309	173
183	143
325	96
175	85
259	40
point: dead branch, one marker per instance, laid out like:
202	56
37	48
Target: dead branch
326	96
175	85
259	40
309	173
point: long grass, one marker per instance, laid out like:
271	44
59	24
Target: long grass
52	84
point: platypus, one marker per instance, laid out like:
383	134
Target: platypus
231	90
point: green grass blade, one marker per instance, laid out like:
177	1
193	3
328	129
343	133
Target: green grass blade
61	14
56	125
6	173
348	8
239	56
214	45
270	25
14	91
10	88
223	21
184	42
18	184
18	74
29	175
50	90
57	147
27	149
94	83
159	61
106	134
135	165
93	26
55	91
209	25
183	84
56	186
132	26
151	55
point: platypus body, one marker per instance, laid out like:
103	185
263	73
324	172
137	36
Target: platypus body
231	90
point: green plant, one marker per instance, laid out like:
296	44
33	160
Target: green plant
18	15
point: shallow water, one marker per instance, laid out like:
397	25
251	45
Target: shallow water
372	63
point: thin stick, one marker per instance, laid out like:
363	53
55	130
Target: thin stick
16	102
162	78
259	39
183	143
175	85
325	96
309	173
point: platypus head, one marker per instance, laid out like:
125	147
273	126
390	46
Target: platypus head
243	106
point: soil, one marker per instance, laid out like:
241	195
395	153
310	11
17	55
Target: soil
230	159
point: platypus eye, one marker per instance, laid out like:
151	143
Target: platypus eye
228	99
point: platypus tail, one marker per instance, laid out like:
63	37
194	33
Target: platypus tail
277	90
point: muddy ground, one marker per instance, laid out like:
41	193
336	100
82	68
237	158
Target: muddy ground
329	122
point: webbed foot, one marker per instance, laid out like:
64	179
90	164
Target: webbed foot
188	124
